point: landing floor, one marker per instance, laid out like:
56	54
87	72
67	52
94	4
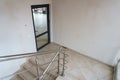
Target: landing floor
81	67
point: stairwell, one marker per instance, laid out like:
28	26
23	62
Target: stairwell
29	72
78	67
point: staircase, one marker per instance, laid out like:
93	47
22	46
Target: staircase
43	65
29	72
79	67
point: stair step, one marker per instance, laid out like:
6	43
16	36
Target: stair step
42	68
26	75
60	78
31	68
42	58
33	71
16	77
41	62
49	78
69	76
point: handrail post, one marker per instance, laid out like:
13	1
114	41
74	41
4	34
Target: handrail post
37	67
63	61
58	63
42	76
63	70
60	50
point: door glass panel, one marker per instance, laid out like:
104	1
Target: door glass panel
42	40
40	15
40	20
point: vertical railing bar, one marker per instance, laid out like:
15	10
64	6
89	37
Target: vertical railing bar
58	64
50	63
37	67
63	64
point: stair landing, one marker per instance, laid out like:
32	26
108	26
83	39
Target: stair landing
80	67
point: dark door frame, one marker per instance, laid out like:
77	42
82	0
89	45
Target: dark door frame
48	24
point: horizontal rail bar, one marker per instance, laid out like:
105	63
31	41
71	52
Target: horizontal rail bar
18	56
41	52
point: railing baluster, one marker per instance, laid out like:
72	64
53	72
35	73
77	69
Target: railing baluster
58	64
42	76
63	65
37	67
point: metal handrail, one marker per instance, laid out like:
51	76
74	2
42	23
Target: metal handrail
18	56
50	64
61	50
53	59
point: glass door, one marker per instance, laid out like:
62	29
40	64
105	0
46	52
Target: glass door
40	15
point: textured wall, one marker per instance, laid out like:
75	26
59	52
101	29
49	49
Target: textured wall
91	27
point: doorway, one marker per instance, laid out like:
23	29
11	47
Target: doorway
41	23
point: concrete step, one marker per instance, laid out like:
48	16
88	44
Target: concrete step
69	76
65	78
32	68
26	75
42	58
60	78
52	72
33	63
49	78
16	77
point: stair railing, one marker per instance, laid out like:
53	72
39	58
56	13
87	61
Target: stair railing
25	55
10	58
59	57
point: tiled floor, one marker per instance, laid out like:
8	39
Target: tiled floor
80	67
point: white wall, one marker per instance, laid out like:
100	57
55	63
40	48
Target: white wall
16	27
91	27
10	67
16	31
